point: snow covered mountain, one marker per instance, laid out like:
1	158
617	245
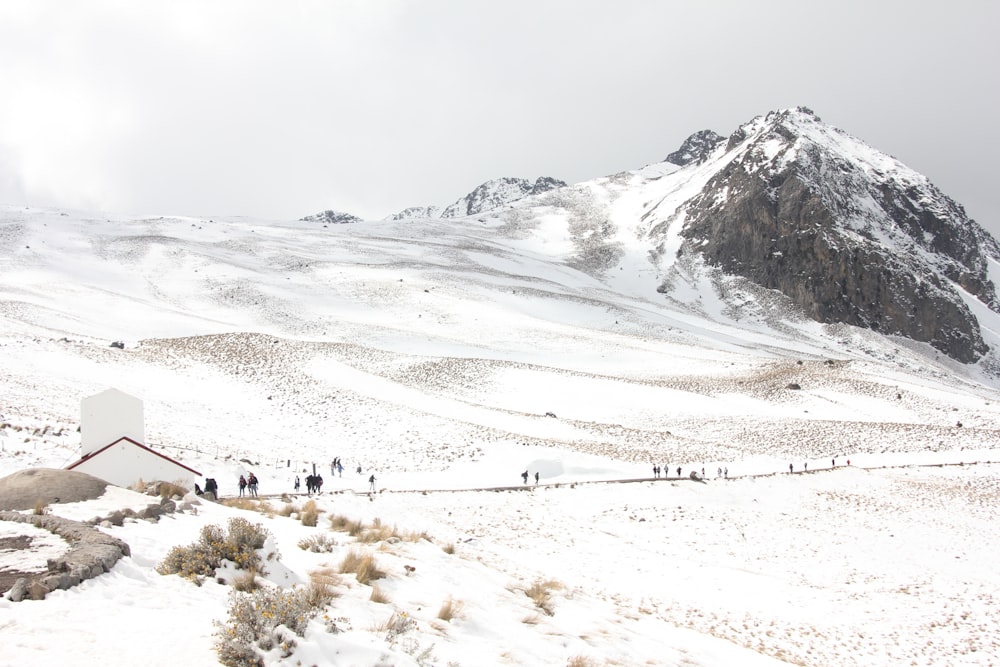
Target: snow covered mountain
489	196
848	234
585	332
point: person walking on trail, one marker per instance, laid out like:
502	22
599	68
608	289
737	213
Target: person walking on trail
678	471
252	483
371	483
805	466
243	485
725	473
536	478
791	468
296	484
524	476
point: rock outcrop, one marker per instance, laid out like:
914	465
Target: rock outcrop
847	233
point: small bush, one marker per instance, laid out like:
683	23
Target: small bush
379	596
310	514
318	544
288	510
362	566
244	503
171	490
540	593
259	622
580	661
202	558
41	507
449	548
450	609
246	582
398	624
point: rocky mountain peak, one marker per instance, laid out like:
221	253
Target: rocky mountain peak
331	217
848	233
696	148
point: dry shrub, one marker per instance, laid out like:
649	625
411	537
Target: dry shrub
450	609
318	543
246	582
171	490
347	525
449	548
362	566
288	510
239	545
41	507
580	661
377	532
310	514
379	596
261	621
248	504
540	593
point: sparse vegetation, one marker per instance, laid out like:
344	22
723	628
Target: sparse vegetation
318	543
41	507
540	593
450	609
171	490
239	545
449	548
310	514
261	621
362	566
378	595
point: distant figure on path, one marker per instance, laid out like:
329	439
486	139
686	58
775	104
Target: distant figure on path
359	470
536	478
296	484
791	468
678	471
252	483
725	472
524	476
805	466
243	484
833	463
371	483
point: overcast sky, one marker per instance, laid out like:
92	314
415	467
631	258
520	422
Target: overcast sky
281	109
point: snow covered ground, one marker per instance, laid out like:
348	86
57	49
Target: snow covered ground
429	353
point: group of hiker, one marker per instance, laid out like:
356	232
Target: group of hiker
248	483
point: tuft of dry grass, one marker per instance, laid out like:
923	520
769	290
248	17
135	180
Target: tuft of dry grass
362	566
345	524
379	596
171	490
310	513
540	593
449	548
248	504
580	661
318	543
288	510
450	609
41	507
246	582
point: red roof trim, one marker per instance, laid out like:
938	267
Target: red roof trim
137	444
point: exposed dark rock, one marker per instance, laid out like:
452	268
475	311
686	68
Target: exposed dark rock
332	218
696	148
844	240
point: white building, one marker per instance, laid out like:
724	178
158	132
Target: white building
112	444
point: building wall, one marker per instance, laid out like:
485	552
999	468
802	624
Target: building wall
108	416
124	464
